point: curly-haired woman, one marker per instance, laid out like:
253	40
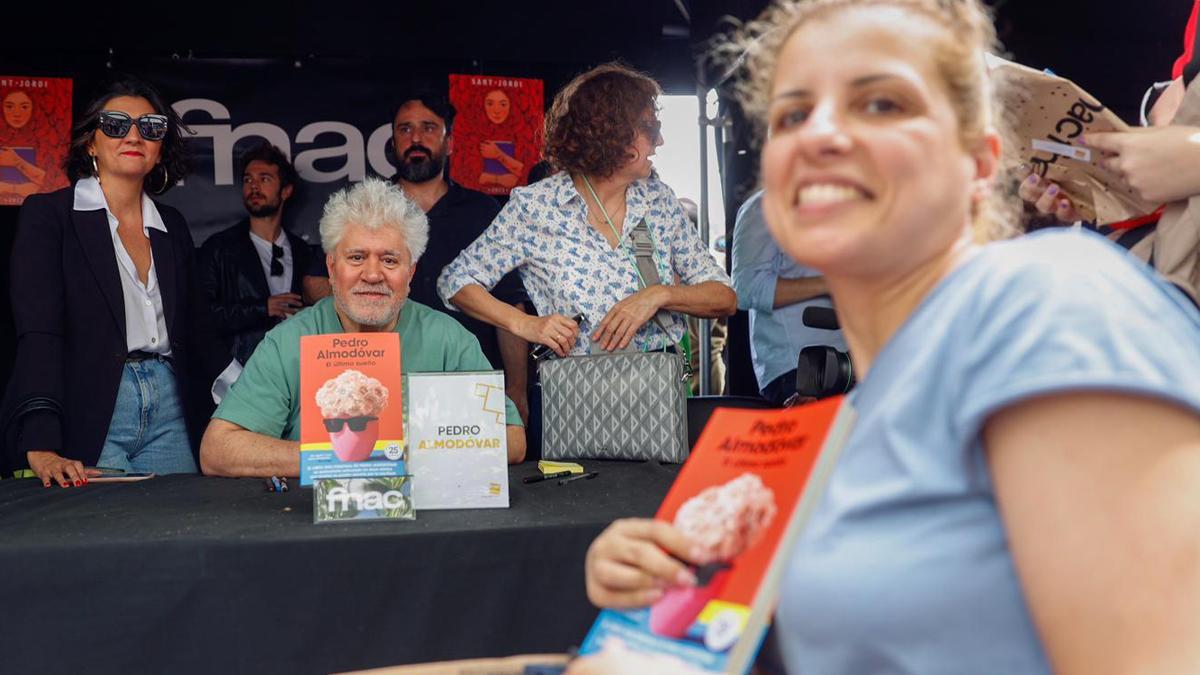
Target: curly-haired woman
569	235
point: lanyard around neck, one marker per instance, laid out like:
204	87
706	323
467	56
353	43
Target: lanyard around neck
613	227
603	210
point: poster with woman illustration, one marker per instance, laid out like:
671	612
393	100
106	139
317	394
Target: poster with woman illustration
498	131
35	128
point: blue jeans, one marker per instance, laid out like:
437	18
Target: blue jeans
147	431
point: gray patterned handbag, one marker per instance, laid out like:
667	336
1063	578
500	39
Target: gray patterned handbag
624	405
627	405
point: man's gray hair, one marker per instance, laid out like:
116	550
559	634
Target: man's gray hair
374	204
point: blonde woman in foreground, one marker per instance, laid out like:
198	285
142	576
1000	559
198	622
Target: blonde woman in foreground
1021	493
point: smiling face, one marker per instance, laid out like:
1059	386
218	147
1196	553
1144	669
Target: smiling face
18	108
131	156
864	170
370	270
496	106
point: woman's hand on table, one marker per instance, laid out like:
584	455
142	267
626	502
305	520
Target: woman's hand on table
634	561
617	328
51	466
1046	196
554	330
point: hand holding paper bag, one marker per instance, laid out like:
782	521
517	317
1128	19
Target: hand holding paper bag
1048	115
1158	164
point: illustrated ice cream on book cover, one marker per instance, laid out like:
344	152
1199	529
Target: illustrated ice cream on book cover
742	498
351	416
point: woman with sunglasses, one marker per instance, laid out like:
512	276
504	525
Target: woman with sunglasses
106	311
569	235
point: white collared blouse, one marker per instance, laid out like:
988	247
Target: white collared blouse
145	323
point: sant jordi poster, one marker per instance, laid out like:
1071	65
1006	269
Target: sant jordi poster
497	132
35	129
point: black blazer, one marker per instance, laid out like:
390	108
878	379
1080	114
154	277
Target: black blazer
231	274
70	319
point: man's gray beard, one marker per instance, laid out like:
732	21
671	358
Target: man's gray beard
359	319
422	171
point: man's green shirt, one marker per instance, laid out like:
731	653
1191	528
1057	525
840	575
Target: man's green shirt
266	398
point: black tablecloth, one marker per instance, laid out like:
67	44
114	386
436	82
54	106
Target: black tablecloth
191	574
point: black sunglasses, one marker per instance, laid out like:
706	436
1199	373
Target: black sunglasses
277	263
115	124
653	128
355	423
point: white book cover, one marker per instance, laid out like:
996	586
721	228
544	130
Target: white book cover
458	448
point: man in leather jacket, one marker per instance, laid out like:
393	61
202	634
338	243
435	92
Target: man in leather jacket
252	272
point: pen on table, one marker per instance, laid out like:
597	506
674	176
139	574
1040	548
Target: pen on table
583	476
537	478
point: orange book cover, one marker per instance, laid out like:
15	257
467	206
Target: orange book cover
351	409
743	497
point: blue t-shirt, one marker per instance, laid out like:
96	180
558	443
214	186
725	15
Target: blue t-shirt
905	566
776	335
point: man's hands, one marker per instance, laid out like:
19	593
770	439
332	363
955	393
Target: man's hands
284	305
51	466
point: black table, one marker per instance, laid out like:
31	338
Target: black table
209	575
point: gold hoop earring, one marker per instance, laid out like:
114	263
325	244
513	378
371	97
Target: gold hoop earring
95	168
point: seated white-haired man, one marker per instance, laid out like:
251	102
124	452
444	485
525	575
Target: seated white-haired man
373	236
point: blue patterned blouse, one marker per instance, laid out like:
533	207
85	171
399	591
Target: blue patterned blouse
569	268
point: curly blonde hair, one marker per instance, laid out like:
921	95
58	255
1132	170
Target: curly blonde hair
966	35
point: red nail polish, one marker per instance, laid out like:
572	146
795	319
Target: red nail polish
78	483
